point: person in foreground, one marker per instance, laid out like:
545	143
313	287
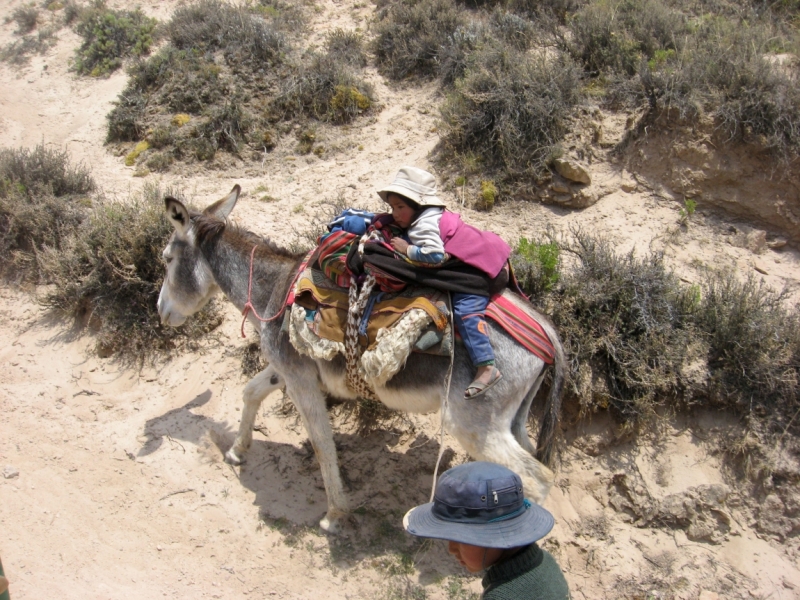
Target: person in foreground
480	509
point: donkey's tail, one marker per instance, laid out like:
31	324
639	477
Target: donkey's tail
552	408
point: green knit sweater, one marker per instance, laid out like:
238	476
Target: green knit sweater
533	574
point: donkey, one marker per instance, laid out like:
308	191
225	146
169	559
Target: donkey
206	254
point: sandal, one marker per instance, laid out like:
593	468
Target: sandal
481	388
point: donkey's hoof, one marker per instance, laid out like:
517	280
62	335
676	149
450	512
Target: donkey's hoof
330	524
234	458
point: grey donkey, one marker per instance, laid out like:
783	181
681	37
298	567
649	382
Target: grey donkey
207	254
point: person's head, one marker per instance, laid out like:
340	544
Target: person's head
404	211
481	510
412	191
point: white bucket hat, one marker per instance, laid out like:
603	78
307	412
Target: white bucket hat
416	185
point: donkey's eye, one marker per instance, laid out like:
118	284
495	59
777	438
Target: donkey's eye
167	259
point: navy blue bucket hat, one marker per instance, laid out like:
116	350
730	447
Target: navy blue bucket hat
481	504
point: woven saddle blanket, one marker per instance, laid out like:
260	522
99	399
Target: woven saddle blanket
392	326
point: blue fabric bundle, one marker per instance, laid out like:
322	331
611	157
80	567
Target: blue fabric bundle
352	220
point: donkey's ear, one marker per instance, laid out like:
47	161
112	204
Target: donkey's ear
178	215
222	208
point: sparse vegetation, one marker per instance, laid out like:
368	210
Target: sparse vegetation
26	17
228	79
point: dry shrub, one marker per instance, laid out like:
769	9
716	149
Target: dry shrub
109	275
26	17
212	25
688	59
510	109
348	46
638	339
126	121
412	36
625	318
20	51
327	89
611	37
42	201
754	349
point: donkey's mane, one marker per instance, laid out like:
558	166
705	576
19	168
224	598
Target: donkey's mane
209	228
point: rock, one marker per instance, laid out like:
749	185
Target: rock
760	267
559	186
629	184
10	472
777	243
571	170
707	595
756	241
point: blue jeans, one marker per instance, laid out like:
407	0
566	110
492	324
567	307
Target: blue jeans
468	312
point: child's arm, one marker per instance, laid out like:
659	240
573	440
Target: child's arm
426	242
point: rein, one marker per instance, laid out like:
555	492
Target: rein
249	306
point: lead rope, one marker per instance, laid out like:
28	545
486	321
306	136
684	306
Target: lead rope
249	306
446	399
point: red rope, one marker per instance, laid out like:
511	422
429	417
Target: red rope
249	306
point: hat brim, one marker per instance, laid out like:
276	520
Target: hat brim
410	194
530	526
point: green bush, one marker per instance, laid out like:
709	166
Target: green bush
509	109
536	265
410	37
109	276
110	36
126	121
42	201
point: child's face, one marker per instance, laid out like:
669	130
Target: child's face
474	558
402	213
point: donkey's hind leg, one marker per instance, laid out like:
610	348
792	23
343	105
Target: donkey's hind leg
258	388
503	449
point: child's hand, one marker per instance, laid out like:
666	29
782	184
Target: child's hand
400	245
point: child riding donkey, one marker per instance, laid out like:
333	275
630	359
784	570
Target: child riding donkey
422	231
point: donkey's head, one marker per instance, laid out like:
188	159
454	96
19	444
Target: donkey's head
189	283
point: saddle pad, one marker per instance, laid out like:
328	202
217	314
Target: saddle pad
316	292
521	326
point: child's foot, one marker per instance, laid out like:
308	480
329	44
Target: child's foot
485	379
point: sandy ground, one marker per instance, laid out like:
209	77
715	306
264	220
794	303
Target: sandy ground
113	481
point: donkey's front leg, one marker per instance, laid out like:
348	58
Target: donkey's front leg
258	388
310	403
